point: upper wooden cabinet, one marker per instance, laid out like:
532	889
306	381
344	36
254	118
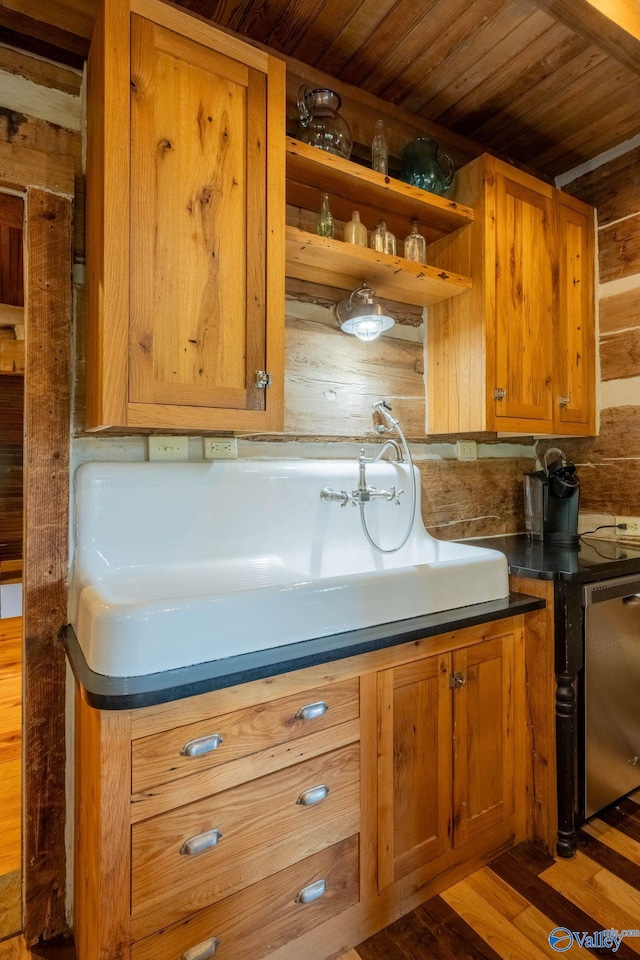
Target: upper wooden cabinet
515	353
185	210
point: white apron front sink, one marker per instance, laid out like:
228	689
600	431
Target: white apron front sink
183	563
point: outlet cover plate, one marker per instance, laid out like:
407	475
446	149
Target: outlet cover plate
633	527
220	448
466	450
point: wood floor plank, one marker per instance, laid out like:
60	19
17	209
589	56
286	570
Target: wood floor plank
501	935
497	893
10	904
537	927
617	817
606	913
11	806
616	840
611	859
520	869
453	937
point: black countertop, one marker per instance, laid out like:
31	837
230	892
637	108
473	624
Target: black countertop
127	693
591	560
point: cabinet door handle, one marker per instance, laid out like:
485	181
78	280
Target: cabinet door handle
312	711
564	401
197	748
313	795
202	951
204	841
457	680
313	892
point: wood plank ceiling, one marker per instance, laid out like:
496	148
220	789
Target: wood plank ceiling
547	84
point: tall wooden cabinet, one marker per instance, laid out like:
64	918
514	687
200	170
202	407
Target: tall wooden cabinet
516	352
185	210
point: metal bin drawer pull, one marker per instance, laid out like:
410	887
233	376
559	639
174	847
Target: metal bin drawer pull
204	841
196	748
202	951
313	795
312	711
313	892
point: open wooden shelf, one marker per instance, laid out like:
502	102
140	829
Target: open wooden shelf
344	265
312	172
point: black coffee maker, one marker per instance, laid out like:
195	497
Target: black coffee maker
551	500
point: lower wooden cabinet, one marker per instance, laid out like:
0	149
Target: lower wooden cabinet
446	758
293	817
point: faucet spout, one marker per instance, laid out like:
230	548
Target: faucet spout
393	444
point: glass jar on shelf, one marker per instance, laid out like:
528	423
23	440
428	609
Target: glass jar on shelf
379	150
324	222
355	231
383	240
415	245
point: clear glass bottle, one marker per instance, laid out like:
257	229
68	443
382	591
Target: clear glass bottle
355	231
379	150
415	246
324	223
382	239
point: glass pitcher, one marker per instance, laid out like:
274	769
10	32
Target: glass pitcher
422	167
320	123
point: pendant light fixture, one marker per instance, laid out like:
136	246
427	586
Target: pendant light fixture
361	315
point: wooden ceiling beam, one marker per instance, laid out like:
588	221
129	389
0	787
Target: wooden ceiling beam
611	25
67	25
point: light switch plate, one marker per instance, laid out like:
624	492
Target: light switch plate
168	448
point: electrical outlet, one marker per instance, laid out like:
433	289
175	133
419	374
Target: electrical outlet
225	448
633	526
168	448
466	450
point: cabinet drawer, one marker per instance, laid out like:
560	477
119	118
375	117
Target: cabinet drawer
198	854
219	739
266	915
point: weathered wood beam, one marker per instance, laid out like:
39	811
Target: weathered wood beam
46	484
67	24
611	25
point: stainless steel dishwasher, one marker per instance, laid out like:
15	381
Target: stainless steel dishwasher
611	690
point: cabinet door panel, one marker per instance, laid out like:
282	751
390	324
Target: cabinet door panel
524	302
576	334
484	738
414	773
198	193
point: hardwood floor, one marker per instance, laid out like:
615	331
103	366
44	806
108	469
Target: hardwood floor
10	773
507	910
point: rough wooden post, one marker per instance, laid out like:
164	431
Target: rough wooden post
46	465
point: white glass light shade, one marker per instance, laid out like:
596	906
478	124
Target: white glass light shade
369	326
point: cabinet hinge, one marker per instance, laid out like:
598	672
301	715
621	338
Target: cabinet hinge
457	680
499	393
263	379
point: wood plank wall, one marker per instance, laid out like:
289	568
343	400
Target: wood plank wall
610	471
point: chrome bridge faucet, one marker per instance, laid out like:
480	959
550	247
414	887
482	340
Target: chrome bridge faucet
365	492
